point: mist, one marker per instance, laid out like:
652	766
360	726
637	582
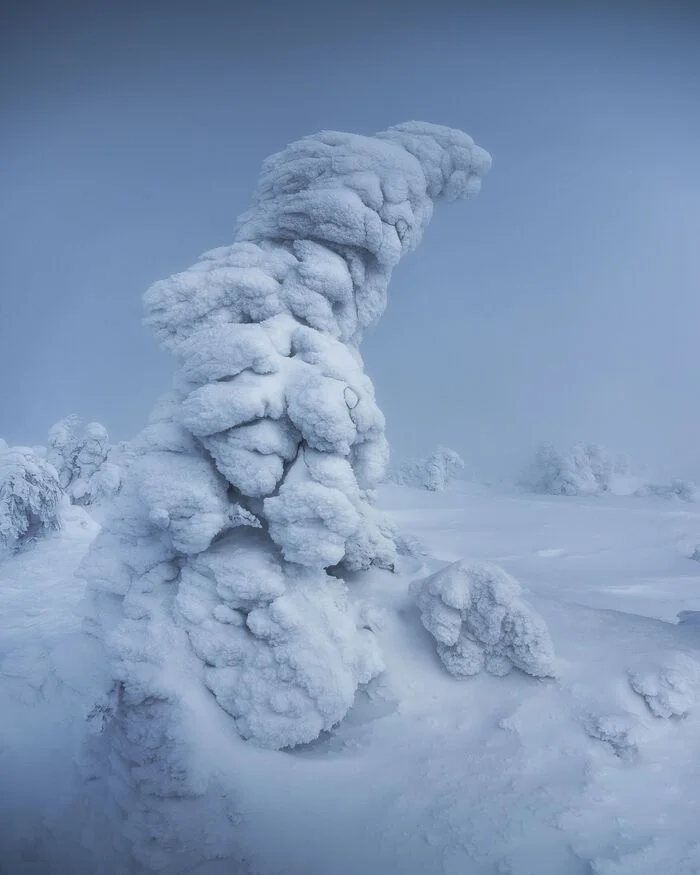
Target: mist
560	305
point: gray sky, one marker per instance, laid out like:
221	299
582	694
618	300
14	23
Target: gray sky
563	303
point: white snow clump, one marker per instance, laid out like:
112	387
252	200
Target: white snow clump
479	619
670	690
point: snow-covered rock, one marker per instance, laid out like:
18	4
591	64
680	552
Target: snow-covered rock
478	617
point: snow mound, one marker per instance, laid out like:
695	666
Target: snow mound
477	615
681	490
623	733
670	690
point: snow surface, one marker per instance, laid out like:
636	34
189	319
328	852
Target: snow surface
596	770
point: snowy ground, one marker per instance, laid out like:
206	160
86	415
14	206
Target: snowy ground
595	771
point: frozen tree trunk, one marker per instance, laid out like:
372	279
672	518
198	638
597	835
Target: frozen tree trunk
254	477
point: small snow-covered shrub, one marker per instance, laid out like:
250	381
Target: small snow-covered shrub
586	470
433	473
30	498
80	455
672	689
684	490
590	470
479	619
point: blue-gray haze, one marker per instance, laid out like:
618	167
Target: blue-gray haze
562	304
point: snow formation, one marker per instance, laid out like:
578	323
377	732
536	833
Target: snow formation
30	497
479	619
670	690
684	490
80	454
586	470
433	473
254	477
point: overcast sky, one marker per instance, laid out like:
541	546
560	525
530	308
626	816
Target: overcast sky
563	303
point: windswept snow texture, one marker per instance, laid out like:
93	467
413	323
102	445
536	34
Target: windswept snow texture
255	475
594	771
477	615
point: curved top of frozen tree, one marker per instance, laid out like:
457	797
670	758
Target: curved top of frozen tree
332	215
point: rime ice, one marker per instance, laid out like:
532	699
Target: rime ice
256	473
479	620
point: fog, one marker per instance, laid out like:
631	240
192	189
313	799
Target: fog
562	304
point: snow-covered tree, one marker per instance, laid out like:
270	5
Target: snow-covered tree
30	497
590	470
685	490
254	477
586	470
81	455
433	473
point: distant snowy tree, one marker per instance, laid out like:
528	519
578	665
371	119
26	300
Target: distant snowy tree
590	470
685	490
433	473
80	454
255	476
479	619
441	467
30	497
586	470
63	447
